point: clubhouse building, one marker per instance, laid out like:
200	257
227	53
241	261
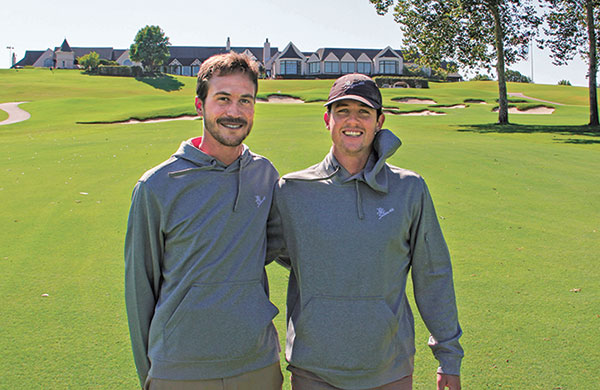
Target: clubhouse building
287	63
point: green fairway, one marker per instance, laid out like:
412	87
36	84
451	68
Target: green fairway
519	206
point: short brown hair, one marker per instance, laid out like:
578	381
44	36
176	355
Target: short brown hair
223	65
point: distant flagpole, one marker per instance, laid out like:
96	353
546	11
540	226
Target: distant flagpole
10	54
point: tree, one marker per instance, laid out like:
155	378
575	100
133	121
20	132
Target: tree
151	47
89	61
516	77
572	26
473	33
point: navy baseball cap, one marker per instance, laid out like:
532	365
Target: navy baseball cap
357	87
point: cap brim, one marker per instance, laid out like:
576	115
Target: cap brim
353	97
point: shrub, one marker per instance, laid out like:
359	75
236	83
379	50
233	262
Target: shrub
564	82
517	77
89	61
482	77
118	70
413	82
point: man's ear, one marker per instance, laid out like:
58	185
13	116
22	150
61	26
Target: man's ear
198	104
326	119
380	121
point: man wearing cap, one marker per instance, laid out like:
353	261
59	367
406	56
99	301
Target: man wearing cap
350	228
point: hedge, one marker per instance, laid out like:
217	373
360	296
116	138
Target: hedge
118	70
400	82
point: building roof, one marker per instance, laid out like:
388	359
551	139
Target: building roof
31	56
65	46
187	54
105	53
355	53
290	53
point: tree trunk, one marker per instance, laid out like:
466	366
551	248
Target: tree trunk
502	100
593	64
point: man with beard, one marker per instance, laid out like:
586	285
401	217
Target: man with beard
195	285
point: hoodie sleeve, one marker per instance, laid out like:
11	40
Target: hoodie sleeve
144	247
434	287
276	249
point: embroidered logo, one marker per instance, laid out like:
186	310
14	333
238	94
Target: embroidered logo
259	200
382	213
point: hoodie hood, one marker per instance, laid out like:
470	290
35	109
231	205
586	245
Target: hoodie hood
385	145
200	161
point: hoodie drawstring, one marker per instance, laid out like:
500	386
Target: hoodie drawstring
239	187
359	207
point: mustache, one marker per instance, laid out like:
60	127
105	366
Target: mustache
232	120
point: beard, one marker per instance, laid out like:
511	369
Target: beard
222	136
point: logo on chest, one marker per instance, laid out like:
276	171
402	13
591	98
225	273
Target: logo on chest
259	201
382	212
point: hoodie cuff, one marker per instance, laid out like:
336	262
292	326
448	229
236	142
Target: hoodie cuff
449	365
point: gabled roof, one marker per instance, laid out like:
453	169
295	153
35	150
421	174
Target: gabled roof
117	53
388	53
31	56
339	53
290	53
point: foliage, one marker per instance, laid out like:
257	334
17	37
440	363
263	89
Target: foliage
516	77
151	47
119	70
481	77
472	33
390	81
573	26
564	82
108	62
89	61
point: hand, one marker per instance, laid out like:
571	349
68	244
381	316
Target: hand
451	382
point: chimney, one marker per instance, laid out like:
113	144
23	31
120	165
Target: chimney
266	52
228	47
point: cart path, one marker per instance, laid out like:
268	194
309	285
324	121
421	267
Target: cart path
15	114
519	94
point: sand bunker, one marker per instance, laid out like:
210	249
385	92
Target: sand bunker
414	113
280	99
475	101
453	106
541	110
15	114
412	100
150	120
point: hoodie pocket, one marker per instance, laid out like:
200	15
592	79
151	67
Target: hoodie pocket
343	333
221	321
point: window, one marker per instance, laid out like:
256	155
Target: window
314	67
388	67
289	67
127	63
332	67
364	67
347	67
48	63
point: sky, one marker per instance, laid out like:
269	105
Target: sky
309	24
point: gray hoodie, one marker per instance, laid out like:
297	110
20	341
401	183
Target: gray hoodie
195	286
350	242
